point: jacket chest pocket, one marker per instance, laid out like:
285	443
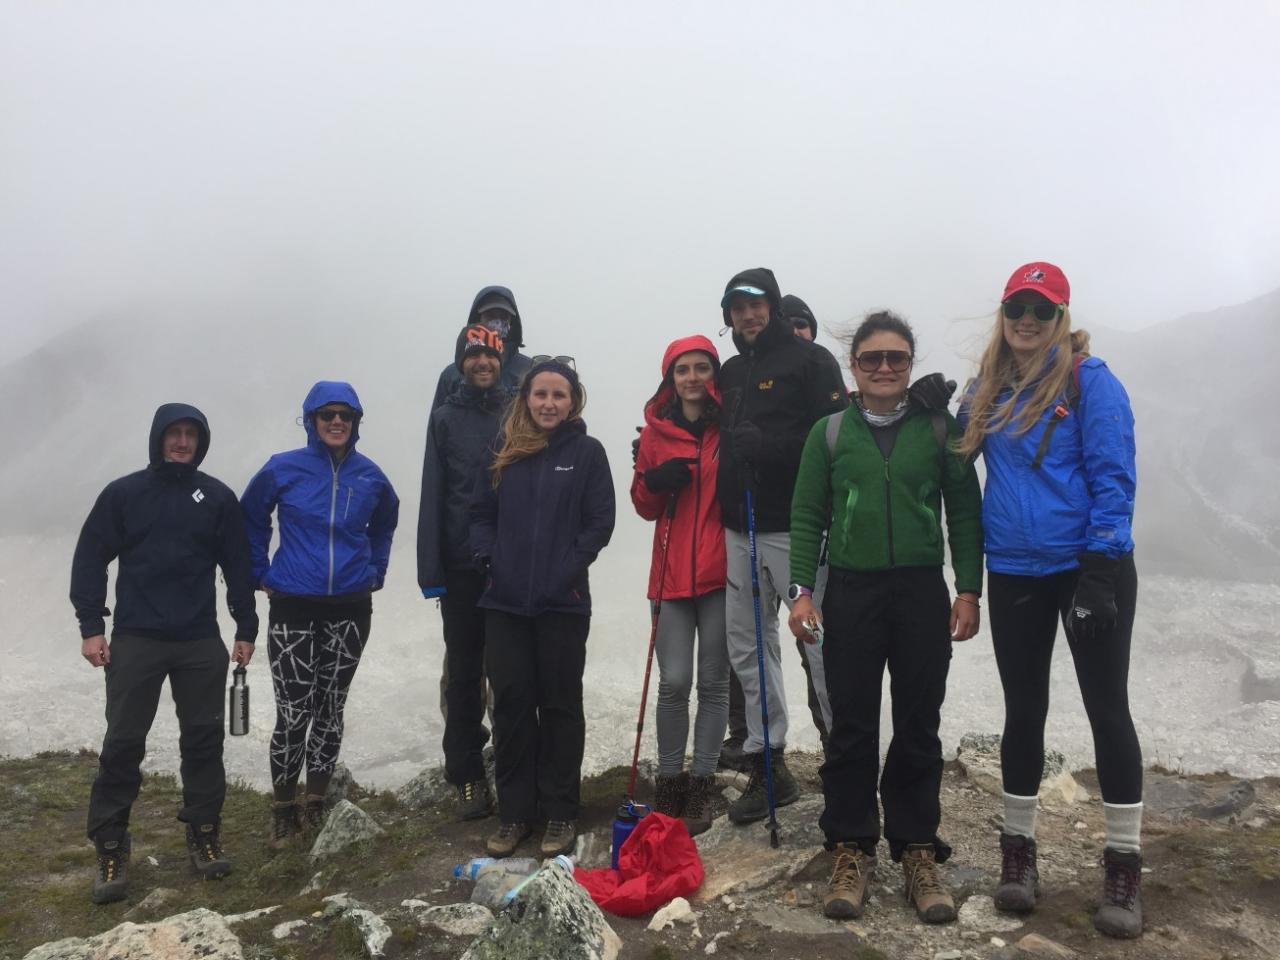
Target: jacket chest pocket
355	504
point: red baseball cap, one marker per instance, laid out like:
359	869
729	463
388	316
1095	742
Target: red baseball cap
1043	278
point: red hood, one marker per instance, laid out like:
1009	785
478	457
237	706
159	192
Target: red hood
665	390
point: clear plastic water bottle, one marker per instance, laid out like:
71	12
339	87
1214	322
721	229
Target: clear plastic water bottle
469	870
496	880
562	862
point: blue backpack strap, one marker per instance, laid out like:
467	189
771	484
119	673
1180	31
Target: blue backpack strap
1070	401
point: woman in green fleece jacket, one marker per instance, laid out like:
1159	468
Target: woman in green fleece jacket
879	479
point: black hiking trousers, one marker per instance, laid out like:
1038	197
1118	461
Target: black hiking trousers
1025	612
900	618
197	675
464	692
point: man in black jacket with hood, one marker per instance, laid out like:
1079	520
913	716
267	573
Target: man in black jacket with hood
493	307
773	392
169	526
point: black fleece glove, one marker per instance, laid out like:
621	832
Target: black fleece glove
747	440
932	392
1093	608
669	476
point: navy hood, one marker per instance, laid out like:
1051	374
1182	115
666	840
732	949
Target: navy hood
330	391
793	307
167	414
515	339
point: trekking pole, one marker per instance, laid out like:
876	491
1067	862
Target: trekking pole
764	690
653	640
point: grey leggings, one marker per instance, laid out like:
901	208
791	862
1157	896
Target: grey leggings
676	625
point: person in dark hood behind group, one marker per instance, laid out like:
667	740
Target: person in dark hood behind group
460	441
337	513
169	526
494	307
799	317
773	392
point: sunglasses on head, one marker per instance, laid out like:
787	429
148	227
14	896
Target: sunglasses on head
547	358
869	361
1044	311
346	416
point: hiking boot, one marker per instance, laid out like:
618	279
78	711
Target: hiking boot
754	803
1019	879
558	838
923	887
286	823
1120	913
508	836
112	882
697	805
732	756
314	813
669	796
205	850
474	801
847	890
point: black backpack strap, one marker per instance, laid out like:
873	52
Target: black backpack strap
1061	411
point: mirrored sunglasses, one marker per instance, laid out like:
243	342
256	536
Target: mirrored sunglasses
869	361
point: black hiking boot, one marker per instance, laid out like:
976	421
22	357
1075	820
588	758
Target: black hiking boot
474	801
1120	912
697	805
754	803
732	756
286	823
112	882
1019	878
669	794
205	850
314	813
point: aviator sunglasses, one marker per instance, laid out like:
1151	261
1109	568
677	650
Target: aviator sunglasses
869	361
547	358
346	416
1044	311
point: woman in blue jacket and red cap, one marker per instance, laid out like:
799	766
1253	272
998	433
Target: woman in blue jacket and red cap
337	513
1055	429
675	485
546	513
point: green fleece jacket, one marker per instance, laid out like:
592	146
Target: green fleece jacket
886	513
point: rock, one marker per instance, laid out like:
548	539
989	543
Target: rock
199	935
336	904
970	935
996	942
373	929
341	785
250	915
591	850
739	858
282	930
455	919
153	861
802	923
949	955
714	944
677	911
979	913
314	885
1064	788
552	917
153	903
347	824
427	790
1039	946
1178	798
979	756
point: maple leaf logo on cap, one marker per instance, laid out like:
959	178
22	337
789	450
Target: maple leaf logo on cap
1034	275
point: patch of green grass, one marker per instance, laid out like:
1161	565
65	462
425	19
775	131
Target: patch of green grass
346	939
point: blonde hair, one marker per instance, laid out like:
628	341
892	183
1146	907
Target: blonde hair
998	371
521	437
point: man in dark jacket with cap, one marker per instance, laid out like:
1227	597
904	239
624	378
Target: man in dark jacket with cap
493	307
169	526
774	391
461	436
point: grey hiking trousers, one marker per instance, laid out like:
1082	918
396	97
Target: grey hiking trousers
677	622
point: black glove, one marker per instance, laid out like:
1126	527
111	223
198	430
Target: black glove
747	440
932	392
1093	608
635	449
668	476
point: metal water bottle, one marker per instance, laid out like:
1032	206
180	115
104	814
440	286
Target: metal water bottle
629	815
238	703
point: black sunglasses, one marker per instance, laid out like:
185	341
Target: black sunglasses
800	323
547	358
869	361
1044	311
346	416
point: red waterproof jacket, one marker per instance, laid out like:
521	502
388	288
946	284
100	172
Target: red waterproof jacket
695	551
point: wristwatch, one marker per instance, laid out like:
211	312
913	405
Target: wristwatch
795	592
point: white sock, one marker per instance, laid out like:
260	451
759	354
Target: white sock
1124	826
1020	816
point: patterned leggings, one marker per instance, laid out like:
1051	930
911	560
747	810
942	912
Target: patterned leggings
313	661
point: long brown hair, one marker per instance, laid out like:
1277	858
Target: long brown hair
998	371
521	437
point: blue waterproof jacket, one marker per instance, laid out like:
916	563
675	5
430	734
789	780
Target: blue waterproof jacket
336	519
1037	521
551	515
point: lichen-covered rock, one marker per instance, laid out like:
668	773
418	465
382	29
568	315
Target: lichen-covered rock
347	825
739	857
197	935
979	913
427	790
341	784
373	930
455	919
153	903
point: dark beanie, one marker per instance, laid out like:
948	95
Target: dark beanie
793	306
476	338
761	278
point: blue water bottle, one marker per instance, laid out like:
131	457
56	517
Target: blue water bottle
629	815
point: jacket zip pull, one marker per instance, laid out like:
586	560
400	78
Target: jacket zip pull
888	510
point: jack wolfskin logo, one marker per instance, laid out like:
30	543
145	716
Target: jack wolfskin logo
835	395
198	495
1034	275
766	384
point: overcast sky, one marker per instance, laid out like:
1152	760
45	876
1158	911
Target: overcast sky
616	166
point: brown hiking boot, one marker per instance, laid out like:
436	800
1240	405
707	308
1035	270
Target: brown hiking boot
1019	878
847	890
1120	913
314	813
503	843
697	805
286	823
669	794
923	887
558	838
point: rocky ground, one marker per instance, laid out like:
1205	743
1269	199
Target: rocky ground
1211	884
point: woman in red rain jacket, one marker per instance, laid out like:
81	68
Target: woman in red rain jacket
675	485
